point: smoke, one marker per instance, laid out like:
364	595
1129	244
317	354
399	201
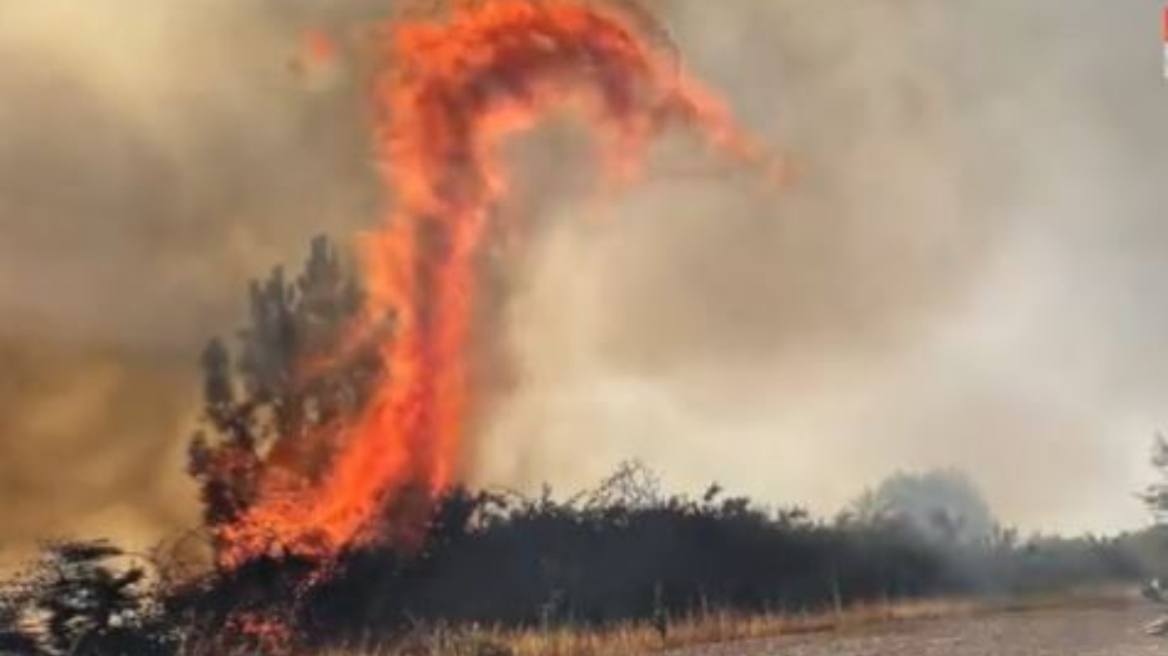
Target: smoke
153	158
704	300
964	270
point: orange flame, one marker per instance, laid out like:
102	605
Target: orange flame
452	88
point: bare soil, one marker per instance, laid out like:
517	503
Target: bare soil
1115	630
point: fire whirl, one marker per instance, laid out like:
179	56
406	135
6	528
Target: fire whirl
449	90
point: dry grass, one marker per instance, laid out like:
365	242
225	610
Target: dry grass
639	639
636	639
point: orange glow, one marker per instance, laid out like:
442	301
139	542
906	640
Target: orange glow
267	634
449	89
318	47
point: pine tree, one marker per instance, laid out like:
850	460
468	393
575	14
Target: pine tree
305	362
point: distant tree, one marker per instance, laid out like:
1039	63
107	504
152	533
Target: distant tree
1156	495
942	505
300	367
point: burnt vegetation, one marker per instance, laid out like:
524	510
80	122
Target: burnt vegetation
623	551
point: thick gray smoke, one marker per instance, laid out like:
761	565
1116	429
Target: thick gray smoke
964	271
967	271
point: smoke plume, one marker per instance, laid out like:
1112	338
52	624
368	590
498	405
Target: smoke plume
963	274
154	157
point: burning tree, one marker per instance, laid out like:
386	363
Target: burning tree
299	373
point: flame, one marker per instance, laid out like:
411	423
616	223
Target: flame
449	90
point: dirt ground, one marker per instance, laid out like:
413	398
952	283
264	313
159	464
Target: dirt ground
1113	631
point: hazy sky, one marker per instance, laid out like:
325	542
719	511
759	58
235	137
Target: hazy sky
966	270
